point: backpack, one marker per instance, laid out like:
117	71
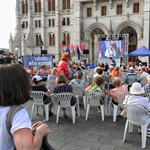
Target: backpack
10	115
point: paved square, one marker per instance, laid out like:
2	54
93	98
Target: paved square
92	134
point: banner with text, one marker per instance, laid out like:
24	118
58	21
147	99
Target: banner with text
37	60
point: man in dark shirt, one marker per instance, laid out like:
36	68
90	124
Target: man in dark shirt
112	61
92	66
36	81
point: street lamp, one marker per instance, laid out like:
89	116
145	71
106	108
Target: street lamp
41	45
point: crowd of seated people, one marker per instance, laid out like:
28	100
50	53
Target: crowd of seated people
63	72
101	72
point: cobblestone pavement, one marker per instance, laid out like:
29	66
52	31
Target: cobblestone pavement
88	135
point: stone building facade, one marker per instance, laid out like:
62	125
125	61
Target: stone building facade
76	22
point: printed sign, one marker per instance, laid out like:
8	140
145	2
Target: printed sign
37	60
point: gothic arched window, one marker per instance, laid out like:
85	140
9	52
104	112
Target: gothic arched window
38	38
68	39
23	7
26	6
39	6
64	4
68	4
53	5
132	38
36	5
53	40
49	5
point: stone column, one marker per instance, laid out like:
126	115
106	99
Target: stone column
77	23
18	24
57	31
10	44
43	24
29	13
96	49
87	46
146	28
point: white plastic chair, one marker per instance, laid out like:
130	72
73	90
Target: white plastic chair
123	73
143	81
38	101
79	89
94	101
122	78
64	101
131	80
90	80
44	82
90	73
134	115
120	96
50	84
106	84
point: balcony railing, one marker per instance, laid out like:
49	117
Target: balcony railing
65	11
51	13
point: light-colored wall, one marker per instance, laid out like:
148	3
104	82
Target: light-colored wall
79	23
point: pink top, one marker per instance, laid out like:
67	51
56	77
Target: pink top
122	88
63	66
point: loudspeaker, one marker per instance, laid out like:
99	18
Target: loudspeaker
43	51
85	51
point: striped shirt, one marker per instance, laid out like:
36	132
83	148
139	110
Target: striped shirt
147	88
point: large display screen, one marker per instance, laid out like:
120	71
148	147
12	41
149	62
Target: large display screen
111	48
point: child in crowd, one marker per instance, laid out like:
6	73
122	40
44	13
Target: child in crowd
96	87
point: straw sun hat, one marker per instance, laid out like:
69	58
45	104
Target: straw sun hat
136	89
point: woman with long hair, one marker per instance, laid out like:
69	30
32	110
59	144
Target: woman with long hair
15	89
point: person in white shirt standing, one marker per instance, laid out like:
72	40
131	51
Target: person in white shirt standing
143	73
143	76
110	52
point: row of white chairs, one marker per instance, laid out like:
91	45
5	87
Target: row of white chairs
134	113
64	101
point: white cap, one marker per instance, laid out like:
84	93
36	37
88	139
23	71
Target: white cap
36	78
131	68
111	66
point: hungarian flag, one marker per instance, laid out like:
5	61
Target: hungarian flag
80	51
64	49
71	50
75	50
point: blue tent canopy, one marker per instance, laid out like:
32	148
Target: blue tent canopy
143	51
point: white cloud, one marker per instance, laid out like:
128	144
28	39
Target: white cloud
8	23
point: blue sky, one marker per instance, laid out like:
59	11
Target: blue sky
7	23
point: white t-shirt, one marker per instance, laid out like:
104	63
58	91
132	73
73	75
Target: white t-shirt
141	102
21	120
